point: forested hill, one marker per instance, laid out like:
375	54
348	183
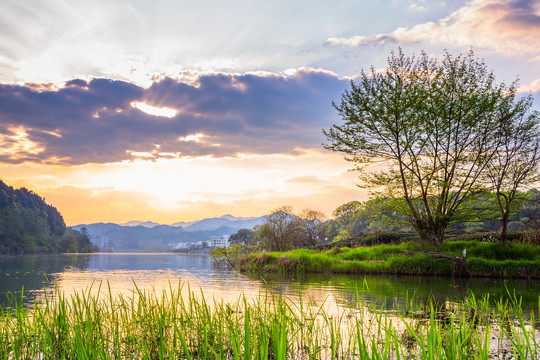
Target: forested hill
29	225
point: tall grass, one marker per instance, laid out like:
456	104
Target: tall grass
177	324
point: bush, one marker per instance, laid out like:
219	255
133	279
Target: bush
376	239
493	251
419	264
530	237
288	263
506	268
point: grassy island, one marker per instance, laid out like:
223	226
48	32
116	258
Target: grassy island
485	256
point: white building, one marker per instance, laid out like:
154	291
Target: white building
219	241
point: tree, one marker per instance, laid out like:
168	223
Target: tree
27	223
433	128
84	244
348	219
68	242
280	230
516	162
283	230
530	209
241	237
347	211
313	228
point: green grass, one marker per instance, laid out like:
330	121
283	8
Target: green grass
169	325
493	250
407	258
395	259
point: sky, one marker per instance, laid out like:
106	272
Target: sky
173	110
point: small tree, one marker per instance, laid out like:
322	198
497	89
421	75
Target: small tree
241	237
283	230
280	230
347	216
313	229
516	161
433	128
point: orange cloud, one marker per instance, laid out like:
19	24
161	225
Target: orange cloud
16	145
187	189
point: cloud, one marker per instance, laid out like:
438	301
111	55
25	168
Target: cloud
222	114
532	87
171	190
94	204
507	26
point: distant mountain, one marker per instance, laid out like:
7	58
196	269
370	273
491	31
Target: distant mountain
122	238
235	218
214	223
147	224
224	221
183	223
148	236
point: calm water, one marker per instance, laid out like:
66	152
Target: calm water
76	272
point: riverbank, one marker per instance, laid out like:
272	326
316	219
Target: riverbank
483	259
156	325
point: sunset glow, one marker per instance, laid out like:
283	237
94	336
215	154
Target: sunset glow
119	111
154	110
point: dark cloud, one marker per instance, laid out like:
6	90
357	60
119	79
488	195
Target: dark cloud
94	122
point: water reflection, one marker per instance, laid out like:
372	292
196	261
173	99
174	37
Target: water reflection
120	272
395	292
34	273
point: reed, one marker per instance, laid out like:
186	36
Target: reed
178	323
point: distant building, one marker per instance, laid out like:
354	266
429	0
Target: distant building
219	241
104	242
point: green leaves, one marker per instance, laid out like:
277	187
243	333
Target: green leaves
431	127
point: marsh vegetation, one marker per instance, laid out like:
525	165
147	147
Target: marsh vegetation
168	325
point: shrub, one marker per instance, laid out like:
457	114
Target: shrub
506	268
288	263
263	259
494	251
530	237
419	264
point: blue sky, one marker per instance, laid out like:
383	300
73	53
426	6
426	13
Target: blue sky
177	110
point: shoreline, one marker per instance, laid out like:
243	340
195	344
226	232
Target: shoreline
484	259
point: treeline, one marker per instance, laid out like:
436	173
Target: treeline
384	215
283	230
28	225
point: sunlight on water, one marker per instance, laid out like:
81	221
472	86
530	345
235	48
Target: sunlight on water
124	273
96	272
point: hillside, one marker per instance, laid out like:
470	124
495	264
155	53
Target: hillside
29	225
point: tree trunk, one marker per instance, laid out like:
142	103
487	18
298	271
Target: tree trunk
504	230
431	233
459	265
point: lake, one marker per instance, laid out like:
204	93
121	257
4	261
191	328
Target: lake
76	272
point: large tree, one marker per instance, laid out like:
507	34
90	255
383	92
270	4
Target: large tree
424	130
516	162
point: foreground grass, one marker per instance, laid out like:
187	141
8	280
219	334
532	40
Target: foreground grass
168	325
408	258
